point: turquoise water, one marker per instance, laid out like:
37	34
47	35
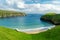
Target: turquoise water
25	22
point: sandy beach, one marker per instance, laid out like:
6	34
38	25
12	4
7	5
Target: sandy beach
35	30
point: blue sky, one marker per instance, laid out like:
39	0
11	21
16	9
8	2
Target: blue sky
34	6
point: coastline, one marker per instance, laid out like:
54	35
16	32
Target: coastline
35	30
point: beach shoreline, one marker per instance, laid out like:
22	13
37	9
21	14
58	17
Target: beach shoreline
35	30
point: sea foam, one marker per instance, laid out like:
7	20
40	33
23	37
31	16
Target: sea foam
41	28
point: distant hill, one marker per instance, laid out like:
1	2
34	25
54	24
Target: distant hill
9	34
52	18
5	13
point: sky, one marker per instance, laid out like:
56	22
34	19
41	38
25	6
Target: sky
31	6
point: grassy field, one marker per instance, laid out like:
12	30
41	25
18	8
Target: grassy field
9	34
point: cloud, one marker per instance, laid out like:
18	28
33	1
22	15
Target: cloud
32	7
56	2
20	5
10	2
37	8
50	8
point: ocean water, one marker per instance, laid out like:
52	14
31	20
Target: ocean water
24	22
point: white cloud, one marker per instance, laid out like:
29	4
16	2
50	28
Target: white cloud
50	8
36	8
42	8
46	6
10	2
20	5
56	2
32	7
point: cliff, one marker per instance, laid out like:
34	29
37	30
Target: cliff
5	13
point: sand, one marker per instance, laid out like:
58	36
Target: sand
35	30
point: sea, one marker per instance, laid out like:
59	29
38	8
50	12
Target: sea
30	21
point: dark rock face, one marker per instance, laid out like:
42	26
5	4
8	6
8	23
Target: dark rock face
54	19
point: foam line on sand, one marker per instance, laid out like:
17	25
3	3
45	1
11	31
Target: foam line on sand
35	30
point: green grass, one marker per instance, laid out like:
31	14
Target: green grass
53	34
9	34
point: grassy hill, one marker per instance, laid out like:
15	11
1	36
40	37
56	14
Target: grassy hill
52	18
9	34
5	13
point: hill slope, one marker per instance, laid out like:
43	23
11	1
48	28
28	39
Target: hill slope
9	34
5	13
53	34
52	18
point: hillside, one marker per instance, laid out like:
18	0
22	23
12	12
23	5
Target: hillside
52	18
9	34
5	13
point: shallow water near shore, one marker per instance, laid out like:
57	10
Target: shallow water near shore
30	21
